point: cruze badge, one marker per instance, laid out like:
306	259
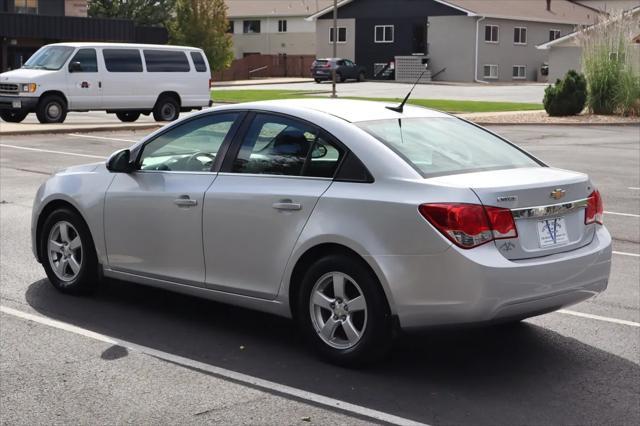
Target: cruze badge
556	194
507	198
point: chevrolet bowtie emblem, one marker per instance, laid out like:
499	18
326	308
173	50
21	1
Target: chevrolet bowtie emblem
556	194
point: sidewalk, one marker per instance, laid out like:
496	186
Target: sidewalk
262	81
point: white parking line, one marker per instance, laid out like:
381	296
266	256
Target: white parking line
622	214
51	152
624	253
77	135
599	318
220	372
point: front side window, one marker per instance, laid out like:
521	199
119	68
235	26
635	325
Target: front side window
520	35
342	35
491	33
277	145
198	61
384	33
251	27
166	61
122	60
490	71
87	60
519	72
190	147
49	58
443	146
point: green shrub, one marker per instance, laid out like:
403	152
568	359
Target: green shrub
567	96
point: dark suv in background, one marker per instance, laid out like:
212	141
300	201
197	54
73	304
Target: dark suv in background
345	69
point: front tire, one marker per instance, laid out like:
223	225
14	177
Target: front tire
343	312
13	116
166	109
51	109
67	253
128	116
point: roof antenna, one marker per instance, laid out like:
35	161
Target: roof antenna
400	108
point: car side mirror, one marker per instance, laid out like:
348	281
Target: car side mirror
75	66
120	162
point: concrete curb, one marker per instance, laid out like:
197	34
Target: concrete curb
258	83
97	128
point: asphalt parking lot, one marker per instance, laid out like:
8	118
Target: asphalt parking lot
580	366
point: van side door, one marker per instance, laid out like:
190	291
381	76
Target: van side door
123	79
83	81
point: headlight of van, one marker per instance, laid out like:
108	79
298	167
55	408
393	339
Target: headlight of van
28	88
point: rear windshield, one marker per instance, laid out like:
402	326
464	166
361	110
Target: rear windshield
447	145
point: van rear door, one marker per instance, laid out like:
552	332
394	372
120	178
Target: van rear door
83	81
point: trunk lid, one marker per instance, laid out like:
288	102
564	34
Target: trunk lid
548	206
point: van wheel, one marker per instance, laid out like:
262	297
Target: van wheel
343	312
13	116
51	109
128	116
166	109
67	252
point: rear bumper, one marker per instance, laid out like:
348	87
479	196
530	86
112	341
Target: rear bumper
27	103
480	285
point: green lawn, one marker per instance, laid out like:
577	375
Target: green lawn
235	96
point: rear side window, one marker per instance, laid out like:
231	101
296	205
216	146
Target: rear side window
166	61
122	60
443	146
198	61
87	60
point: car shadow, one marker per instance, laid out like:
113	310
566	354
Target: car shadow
519	374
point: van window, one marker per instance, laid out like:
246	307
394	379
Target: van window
198	61
122	60
87	60
166	61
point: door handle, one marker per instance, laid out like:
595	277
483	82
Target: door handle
185	201
287	205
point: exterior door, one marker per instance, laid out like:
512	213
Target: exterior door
83	81
258	206
153	216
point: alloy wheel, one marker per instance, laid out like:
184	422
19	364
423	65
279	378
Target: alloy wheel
64	250
338	310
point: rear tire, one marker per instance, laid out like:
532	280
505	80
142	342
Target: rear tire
352	327
67	253
128	116
318	80
166	109
13	116
361	77
51	109
340	78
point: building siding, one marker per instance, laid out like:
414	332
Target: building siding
324	48
452	46
300	38
563	59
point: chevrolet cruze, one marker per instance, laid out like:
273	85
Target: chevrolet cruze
352	218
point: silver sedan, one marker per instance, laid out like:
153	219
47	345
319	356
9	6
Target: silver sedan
351	218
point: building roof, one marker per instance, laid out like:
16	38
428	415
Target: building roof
266	8
562	11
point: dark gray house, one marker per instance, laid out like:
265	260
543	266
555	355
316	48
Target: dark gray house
462	40
27	25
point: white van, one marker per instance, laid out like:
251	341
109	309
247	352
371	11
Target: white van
120	78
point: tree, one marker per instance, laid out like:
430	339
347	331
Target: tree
142	12
204	24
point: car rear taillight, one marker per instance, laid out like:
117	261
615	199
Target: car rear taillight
470	225
594	213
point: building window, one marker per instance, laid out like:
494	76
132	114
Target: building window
554	34
519	72
342	35
251	27
26	6
491	71
491	33
520	35
615	57
230	27
282	26
384	33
